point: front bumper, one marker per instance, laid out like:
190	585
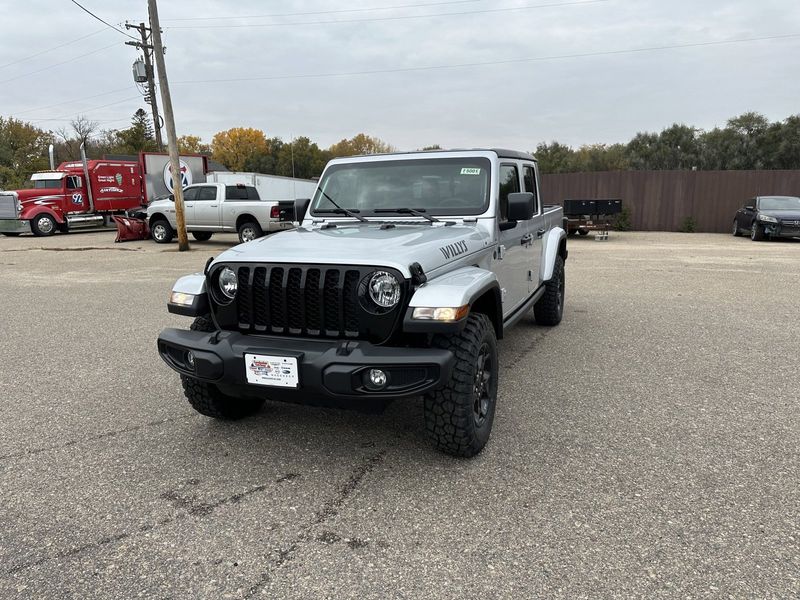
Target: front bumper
332	369
781	230
14	226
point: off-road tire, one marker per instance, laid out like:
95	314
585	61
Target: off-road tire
737	232
40	228
757	232
169	232
549	309
202	236
206	399
257	232
450	412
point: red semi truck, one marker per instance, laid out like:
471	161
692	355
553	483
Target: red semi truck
87	193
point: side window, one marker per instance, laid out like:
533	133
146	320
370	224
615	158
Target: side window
509	184
190	194
252	193
529	178
207	193
235	192
73	183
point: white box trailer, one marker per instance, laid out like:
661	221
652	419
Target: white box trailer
271	188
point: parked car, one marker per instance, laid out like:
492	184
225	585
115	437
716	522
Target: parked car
216	207
403	275
769	216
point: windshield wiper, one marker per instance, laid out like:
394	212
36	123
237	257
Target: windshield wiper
417	212
339	210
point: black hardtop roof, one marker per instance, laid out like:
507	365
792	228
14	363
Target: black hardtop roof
501	153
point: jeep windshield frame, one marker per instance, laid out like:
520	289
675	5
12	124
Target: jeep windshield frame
451	186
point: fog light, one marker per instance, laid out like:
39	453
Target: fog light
377	378
190	359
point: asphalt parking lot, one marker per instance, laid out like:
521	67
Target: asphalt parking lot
647	447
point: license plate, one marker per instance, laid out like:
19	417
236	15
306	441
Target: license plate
274	371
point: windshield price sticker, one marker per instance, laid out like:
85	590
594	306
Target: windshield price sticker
470	171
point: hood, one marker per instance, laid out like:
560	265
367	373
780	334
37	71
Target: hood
33	195
365	244
792	214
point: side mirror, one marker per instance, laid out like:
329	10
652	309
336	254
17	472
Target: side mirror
301	208
520	206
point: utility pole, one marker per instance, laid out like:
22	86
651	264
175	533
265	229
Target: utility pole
147	50
169	122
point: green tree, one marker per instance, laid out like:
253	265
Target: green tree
360	144
138	137
301	158
23	150
555	157
192	144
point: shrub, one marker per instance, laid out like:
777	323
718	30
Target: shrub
622	222
689	225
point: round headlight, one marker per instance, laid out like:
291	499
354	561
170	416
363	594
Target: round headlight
384	289
228	283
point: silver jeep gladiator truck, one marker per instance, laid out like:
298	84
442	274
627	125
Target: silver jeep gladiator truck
404	272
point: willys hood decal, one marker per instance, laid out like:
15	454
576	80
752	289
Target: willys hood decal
364	244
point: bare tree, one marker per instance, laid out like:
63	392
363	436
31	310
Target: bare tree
80	131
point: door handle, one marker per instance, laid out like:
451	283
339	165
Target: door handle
213	206
540	233
526	239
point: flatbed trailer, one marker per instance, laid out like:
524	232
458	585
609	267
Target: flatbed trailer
584	215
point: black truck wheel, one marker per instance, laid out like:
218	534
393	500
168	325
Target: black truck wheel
583	231
206	398
757	232
249	231
202	236
43	225
459	416
161	231
549	309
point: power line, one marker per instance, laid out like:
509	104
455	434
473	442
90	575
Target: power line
496	62
58	64
74	100
65	117
106	23
397	18
327	12
30	56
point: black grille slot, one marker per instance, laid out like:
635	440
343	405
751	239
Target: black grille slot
350	299
331	300
294	302
260	304
313	301
277	314
244	297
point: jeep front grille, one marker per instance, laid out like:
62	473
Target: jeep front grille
306	300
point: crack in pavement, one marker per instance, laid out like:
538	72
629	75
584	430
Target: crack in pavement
194	509
91	438
329	509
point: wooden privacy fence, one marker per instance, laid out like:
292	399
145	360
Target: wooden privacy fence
662	200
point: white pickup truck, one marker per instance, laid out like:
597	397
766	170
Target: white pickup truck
216	207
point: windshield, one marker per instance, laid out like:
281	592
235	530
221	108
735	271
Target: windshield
47	184
439	186
779	203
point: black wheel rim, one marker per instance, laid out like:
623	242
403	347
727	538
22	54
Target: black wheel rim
735	228
482	389
753	231
560	293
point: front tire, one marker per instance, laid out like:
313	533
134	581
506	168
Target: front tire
202	236
757	232
249	231
549	309
43	225
206	398
459	416
736	231
161	231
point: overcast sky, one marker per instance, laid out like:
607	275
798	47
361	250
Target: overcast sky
599	97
